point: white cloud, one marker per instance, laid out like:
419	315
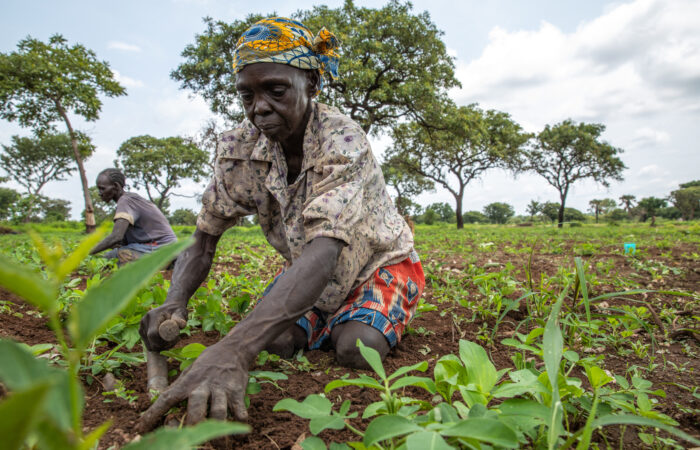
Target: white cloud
123	46
635	68
638	58
183	113
127	81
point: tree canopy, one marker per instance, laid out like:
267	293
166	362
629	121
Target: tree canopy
687	199
41	83
498	212
406	184
601	206
568	152
470	142
34	161
649	207
393	63
160	165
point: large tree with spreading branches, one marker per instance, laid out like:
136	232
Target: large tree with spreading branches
393	63
160	165
467	142
43	83
569	152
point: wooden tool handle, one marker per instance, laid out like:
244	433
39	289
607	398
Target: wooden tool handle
169	330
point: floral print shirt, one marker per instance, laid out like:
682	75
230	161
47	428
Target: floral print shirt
339	193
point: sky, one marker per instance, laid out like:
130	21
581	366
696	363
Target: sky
633	66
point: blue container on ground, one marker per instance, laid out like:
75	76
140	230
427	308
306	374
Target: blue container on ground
630	247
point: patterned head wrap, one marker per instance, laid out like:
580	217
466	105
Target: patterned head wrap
286	41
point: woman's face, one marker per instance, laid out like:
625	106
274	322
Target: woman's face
276	98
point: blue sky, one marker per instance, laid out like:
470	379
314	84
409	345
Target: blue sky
634	66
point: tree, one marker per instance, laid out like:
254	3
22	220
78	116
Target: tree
444	211
55	209
41	83
568	152
8	197
498	212
34	161
406	184
471	142
474	217
159	165
649	207
617	215
601	206
687	199
627	202
393	64
534	208
183	216
551	211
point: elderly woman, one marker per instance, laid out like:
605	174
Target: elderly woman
139	226
308	172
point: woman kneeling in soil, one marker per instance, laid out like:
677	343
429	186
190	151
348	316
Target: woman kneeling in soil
308	172
139	226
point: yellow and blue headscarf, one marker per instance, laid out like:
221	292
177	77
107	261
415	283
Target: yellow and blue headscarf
286	41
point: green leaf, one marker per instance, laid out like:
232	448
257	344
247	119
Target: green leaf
597	377
19	371
27	284
313	406
362	381
19	413
318	424
388	427
92	439
81	252
485	430
524	407
373	359
423	382
187	437
628	419
426	440
92	314
421	366
552	349
313	443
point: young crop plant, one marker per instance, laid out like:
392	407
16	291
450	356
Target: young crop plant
542	408
44	409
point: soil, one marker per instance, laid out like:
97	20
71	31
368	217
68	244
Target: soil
440	336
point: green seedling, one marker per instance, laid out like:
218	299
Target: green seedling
55	421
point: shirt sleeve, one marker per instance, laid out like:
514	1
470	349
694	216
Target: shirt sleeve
224	200
336	203
126	210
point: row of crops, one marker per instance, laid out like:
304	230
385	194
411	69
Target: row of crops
565	306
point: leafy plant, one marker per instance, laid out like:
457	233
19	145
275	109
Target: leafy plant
55	419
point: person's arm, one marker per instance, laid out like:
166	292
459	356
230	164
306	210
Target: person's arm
221	371
191	268
114	238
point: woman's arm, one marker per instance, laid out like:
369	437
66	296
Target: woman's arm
114	238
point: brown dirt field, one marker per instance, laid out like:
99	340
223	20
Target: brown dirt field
281	430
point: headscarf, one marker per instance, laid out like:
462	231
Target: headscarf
286	41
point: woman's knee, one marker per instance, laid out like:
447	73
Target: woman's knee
345	336
287	343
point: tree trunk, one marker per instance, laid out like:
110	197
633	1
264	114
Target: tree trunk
560	216
89	210
458	209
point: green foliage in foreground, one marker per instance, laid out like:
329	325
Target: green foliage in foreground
46	404
538	407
